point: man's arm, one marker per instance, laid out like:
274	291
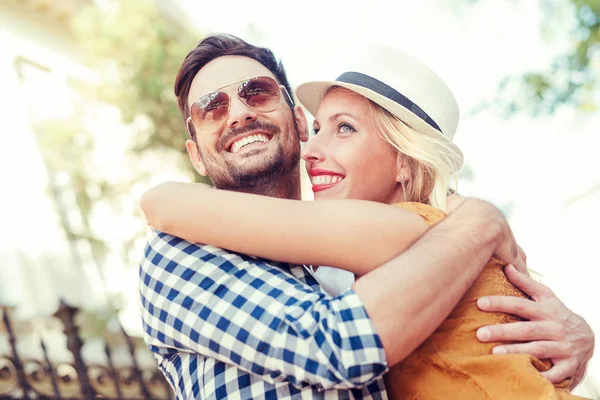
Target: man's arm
410	296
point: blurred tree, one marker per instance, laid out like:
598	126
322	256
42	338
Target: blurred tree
66	145
137	52
573	77
133	51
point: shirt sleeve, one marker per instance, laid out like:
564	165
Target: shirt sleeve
249	313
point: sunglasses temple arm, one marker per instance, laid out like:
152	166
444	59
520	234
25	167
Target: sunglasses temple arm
287	95
189	127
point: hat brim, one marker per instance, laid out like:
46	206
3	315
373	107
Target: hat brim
311	95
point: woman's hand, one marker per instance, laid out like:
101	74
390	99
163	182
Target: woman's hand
552	331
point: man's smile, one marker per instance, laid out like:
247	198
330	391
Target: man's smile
247	142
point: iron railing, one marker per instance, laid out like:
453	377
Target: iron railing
29	378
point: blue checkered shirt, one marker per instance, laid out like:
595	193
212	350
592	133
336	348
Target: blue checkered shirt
226	325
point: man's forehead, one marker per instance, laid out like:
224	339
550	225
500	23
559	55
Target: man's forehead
223	71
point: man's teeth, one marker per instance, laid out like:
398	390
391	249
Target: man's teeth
236	146
325	179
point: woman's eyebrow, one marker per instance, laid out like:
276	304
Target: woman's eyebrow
340	114
333	117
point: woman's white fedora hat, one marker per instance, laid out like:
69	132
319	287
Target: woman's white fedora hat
399	83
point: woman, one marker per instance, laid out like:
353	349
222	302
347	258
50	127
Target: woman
372	142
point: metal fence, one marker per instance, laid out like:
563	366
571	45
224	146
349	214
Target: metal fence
29	378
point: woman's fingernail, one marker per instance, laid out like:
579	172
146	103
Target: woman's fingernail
483	334
499	350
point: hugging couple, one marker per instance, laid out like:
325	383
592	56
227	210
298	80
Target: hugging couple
388	285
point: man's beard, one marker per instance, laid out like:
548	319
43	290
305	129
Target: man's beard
262	177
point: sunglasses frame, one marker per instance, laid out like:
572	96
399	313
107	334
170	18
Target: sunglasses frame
239	83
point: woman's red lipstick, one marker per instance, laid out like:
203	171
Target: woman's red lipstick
322	184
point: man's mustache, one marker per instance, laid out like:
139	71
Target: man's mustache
252	126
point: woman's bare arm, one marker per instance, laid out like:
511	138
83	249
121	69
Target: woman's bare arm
354	235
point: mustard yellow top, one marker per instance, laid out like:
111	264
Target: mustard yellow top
454	364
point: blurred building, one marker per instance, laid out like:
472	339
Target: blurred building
39	262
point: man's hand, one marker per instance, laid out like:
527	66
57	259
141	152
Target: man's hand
454	201
552	331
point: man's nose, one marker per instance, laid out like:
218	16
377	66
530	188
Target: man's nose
240	114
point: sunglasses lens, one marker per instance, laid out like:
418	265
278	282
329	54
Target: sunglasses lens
260	93
209	111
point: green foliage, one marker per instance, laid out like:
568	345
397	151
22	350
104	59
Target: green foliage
100	322
137	53
572	78
66	146
133	53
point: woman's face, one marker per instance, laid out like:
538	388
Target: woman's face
347	158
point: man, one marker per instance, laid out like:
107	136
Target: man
226	325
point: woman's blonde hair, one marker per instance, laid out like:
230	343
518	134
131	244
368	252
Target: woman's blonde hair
433	163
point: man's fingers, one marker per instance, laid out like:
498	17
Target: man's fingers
525	331
561	370
522	253
509	251
527	284
521	267
540	349
524	308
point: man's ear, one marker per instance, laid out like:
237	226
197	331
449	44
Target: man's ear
302	123
195	156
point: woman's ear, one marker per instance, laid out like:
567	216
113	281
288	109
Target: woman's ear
195	156
404	170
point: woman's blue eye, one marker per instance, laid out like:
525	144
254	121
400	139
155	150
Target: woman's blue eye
346	128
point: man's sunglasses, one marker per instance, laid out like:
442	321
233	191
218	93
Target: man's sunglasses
210	111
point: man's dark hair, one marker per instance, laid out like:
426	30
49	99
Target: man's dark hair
215	46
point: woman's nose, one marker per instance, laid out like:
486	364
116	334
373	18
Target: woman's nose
314	150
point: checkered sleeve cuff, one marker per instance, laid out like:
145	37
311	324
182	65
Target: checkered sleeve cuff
342	337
